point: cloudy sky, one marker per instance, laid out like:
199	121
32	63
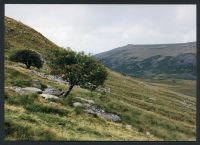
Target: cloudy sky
98	28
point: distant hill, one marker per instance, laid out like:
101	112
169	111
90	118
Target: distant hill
155	60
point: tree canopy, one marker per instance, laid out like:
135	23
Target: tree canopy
28	57
79	69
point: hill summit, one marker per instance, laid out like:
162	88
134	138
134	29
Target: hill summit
155	60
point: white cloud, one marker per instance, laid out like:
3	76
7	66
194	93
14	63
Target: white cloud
98	28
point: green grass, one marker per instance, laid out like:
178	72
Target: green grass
146	107
186	87
29	123
16	78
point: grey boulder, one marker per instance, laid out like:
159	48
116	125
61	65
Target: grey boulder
77	104
53	91
32	90
49	97
27	90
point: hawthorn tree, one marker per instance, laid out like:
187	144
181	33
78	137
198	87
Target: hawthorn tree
79	69
28	57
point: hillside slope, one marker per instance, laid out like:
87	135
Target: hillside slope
164	60
151	112
20	36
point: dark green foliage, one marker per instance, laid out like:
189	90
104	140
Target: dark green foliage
166	66
28	57
79	69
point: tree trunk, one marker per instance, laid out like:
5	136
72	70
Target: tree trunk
27	66
69	90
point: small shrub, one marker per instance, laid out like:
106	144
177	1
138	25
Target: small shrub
27	57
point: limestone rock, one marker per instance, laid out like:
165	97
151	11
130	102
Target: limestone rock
32	90
102	114
148	133
53	91
128	126
49	97
27	90
77	104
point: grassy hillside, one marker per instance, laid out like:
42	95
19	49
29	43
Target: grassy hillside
20	36
154	112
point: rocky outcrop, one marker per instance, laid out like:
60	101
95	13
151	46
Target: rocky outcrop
53	91
32	90
102	114
26	90
129	126
103	90
49	97
50	77
77	104
90	107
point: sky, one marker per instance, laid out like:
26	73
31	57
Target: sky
98	28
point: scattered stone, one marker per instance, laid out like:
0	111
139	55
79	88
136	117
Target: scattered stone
49	97
26	90
17	89
53	91
148	133
128	126
102	114
32	90
106	90
110	116
85	100
50	77
90	108
77	104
